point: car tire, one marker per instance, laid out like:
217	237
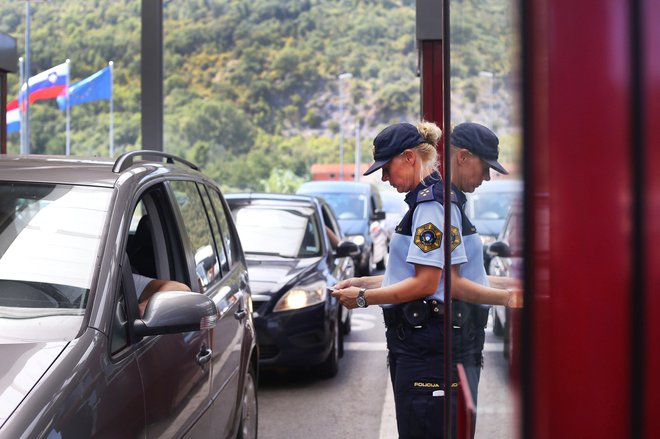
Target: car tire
330	366
498	328
346	326
247	428
366	269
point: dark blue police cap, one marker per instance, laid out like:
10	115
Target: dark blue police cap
480	141
392	141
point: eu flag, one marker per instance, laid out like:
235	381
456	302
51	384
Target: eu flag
92	88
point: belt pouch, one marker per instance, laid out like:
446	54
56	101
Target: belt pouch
416	313
460	312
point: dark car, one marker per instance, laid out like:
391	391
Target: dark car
507	260
487	208
292	263
359	209
78	358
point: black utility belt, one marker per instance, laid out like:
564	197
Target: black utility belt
415	314
418	313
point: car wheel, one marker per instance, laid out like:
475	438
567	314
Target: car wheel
330	366
498	329
247	428
340	331
366	269
346	327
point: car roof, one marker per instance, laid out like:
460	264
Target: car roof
88	171
249	197
507	185
336	186
58	169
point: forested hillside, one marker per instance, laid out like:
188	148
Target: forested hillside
251	86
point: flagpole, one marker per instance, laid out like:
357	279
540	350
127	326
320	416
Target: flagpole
68	109
20	109
112	76
26	145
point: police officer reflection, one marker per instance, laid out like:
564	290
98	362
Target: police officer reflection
411	290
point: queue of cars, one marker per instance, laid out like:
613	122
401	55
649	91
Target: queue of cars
82	358
487	208
507	260
495	208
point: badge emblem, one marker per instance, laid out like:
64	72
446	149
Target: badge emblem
428	237
455	237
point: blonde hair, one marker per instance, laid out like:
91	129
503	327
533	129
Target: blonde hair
427	151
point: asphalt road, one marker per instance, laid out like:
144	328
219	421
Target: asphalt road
358	402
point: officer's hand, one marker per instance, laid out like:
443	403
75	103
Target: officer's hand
515	298
347	296
345	283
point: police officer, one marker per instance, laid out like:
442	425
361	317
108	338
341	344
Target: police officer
411	290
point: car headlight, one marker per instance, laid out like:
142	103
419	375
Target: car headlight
302	296
357	239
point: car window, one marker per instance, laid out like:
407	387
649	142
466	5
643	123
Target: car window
492	205
49	239
213	215
278	230
230	242
50	236
329	221
193	212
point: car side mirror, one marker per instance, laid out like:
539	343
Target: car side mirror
170	312
378	215
347	248
499	248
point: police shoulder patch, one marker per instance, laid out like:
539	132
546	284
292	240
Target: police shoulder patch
428	237
455	237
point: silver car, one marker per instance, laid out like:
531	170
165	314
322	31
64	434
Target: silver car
78	358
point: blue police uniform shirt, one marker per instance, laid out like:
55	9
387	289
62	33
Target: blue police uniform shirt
425	244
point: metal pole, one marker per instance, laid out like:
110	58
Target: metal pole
449	360
68	109
112	78
26	144
20	109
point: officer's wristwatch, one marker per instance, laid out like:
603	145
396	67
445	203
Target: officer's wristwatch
360	300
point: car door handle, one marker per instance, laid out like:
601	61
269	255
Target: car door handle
204	356
240	314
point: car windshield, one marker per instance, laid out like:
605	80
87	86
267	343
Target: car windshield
347	206
393	203
49	241
492	205
290	232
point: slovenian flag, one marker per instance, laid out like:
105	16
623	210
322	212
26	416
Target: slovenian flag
13	116
92	88
48	84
